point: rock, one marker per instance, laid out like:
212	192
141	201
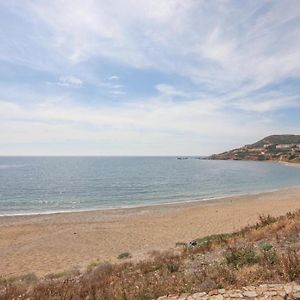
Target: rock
221	291
213	292
250	294
296	295
184	296
193	243
235	295
296	288
270	293
282	294
275	287
277	298
261	289
198	296
216	297
288	288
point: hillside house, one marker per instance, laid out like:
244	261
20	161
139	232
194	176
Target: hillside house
284	146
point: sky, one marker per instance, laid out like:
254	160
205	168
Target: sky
146	77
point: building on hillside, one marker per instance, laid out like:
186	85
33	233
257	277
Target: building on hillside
284	146
257	150
268	146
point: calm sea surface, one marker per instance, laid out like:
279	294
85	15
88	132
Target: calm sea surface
50	184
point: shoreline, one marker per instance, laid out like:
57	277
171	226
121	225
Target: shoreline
53	243
181	201
290	164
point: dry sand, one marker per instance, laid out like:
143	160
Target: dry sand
52	243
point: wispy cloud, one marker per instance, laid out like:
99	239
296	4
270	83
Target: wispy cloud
70	81
169	90
184	70
113	77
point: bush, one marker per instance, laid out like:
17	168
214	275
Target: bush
241	257
124	255
265	246
265	221
291	265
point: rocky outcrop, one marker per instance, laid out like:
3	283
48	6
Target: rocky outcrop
261	292
277	148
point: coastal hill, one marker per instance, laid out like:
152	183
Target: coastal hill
274	147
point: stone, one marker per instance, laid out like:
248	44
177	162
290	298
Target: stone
183	296
288	288
235	295
221	291
296	295
277	298
216	297
250	294
199	296
264	286
270	293
213	292
275	286
281	293
261	289
296	288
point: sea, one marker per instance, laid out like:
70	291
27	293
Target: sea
34	185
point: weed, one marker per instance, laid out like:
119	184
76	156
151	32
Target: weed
124	255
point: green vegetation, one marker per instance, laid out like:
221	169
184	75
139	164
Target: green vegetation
266	252
124	255
241	257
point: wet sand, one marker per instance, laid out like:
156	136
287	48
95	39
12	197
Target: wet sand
53	243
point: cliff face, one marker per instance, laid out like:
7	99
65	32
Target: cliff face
274	147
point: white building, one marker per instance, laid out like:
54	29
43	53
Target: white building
284	146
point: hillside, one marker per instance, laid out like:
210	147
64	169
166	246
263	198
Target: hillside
267	252
274	147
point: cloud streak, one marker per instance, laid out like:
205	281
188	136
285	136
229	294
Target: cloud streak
168	70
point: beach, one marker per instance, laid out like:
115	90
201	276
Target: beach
53	243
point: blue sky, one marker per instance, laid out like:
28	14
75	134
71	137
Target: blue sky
159	77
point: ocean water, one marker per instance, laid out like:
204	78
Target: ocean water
52	184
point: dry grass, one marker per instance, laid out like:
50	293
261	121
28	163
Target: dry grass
266	251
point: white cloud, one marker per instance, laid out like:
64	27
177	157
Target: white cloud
155	127
113	77
70	81
169	90
228	51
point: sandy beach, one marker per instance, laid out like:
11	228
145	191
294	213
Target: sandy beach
53	243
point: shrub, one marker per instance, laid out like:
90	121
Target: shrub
241	257
124	255
291	264
265	246
265	221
